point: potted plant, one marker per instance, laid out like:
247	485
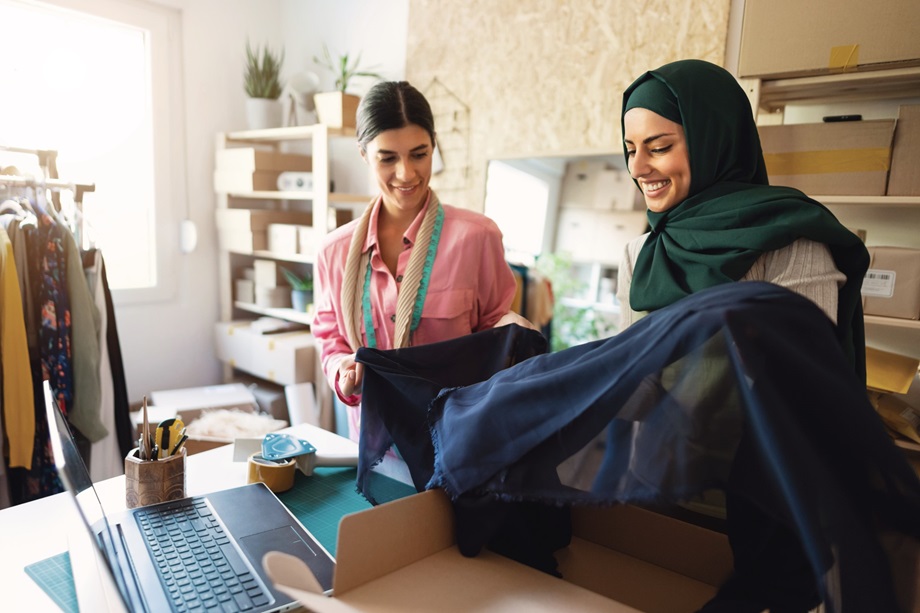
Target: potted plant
262	83
301	289
337	109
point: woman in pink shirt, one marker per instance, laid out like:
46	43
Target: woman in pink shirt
410	270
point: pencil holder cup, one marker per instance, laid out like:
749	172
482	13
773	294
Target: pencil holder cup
153	481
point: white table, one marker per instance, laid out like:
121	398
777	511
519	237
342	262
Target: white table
37	530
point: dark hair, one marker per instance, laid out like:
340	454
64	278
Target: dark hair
390	105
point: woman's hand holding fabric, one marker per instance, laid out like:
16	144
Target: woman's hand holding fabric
351	374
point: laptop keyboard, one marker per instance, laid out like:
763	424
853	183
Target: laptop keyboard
199	566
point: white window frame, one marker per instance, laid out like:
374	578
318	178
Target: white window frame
164	26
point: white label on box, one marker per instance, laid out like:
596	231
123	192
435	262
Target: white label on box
878	283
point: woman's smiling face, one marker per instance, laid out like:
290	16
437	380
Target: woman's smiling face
658	158
401	161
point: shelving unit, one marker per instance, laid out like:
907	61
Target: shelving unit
888	220
324	207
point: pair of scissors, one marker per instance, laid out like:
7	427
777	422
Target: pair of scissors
168	434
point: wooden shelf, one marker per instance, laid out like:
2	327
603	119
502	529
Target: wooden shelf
285	314
870	201
322	204
334	197
897	82
892	322
281	134
273	255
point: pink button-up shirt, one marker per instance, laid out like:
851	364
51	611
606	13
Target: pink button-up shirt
470	289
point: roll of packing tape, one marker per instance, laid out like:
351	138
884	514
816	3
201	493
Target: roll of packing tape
277	475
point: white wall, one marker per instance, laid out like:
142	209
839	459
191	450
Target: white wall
170	344
375	30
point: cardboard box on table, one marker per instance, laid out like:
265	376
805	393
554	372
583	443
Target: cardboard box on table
189	403
847	158
791	38
401	556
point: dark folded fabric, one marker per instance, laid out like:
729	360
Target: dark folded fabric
741	387
399	384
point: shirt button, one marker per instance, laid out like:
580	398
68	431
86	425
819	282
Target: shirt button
393	317
399	278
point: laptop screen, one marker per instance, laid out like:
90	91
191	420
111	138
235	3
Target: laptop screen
75	477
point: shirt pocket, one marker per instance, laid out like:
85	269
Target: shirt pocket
445	315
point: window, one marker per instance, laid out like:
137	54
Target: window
518	202
90	79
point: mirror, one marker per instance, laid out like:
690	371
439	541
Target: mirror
568	219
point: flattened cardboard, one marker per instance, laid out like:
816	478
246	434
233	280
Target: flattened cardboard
904	178
791	38
400	556
891	287
839	158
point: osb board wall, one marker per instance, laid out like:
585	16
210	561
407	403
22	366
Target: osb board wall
522	78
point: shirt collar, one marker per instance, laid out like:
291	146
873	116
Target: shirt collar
408	236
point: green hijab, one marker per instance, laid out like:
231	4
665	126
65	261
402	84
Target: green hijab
732	215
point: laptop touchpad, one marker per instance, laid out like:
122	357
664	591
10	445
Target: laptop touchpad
285	539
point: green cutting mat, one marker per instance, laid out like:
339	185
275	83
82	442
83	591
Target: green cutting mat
319	502
55	577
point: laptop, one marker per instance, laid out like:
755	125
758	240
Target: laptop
196	554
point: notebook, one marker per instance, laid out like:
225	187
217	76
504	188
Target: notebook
200	553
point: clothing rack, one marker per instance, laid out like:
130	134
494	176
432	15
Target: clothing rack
47	161
78	189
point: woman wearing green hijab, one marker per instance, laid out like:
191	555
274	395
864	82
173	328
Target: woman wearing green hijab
692	148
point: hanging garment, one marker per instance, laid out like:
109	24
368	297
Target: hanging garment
741	387
124	429
107	458
85	324
18	407
52	360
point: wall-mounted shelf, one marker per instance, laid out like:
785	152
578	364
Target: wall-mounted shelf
894	82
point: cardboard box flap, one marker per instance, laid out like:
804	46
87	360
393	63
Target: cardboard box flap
378	541
290	575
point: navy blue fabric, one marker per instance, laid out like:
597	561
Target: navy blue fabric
403	381
741	387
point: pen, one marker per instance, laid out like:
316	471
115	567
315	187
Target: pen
179	445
